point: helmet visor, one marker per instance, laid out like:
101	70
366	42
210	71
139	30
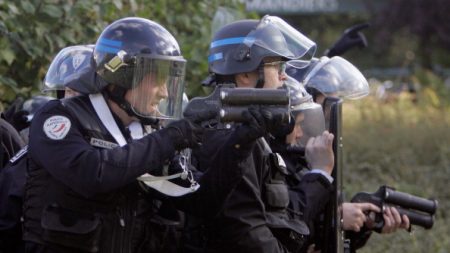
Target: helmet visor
274	34
309	122
337	77
309	117
297	93
158	85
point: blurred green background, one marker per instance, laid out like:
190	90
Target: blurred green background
397	136
404	145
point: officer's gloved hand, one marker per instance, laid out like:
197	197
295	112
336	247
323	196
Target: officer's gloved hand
187	132
351	37
255	125
10	112
20	120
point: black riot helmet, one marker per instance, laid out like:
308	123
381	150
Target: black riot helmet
241	46
33	104
66	69
138	54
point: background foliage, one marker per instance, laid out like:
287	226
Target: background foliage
390	138
33	31
404	145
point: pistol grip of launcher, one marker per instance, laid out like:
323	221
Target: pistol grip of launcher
419	210
373	198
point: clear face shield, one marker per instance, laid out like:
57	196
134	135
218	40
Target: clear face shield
311	121
158	85
275	35
337	77
308	115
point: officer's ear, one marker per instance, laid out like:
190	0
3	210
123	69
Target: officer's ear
246	80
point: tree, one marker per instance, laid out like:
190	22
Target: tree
33	31
427	21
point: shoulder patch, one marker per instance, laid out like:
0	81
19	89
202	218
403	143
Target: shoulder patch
57	127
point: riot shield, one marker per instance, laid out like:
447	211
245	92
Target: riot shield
333	234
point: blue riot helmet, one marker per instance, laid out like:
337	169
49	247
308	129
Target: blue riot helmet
241	46
332	77
140	55
308	115
67	67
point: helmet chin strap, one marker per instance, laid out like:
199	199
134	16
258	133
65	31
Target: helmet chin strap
117	94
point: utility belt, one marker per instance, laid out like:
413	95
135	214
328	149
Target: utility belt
75	230
140	229
291	232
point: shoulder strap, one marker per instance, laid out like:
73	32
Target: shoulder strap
160	184
105	115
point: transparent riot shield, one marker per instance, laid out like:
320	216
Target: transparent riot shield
333	234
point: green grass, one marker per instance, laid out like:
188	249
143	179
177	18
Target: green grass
406	146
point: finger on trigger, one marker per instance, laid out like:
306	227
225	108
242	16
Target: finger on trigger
370	207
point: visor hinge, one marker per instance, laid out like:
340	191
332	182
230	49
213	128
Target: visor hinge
243	53
117	61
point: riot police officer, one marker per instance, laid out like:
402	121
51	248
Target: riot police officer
64	73
81	192
10	234
69	63
252	54
330	77
11	143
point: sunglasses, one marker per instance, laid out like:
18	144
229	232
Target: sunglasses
280	64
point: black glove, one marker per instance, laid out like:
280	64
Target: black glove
20	120
255	125
351	37
187	132
260	120
10	112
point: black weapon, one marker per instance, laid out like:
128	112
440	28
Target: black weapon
230	102
420	211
